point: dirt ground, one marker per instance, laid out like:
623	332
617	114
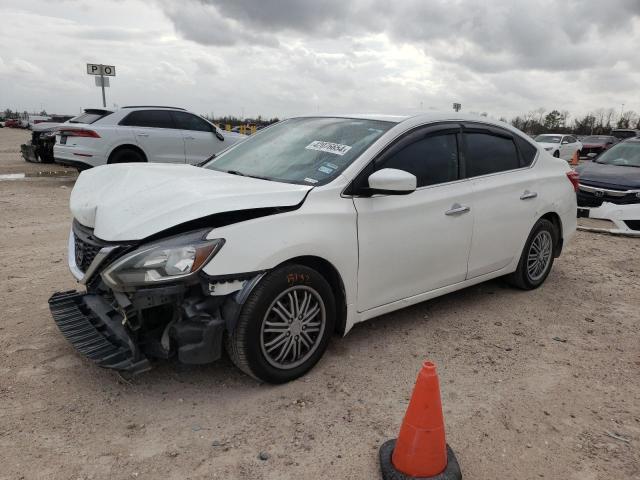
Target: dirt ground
541	384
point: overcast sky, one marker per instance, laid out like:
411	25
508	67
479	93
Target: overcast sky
288	57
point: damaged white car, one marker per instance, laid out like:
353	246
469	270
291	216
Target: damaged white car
609	194
304	229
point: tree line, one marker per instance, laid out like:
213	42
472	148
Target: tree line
598	122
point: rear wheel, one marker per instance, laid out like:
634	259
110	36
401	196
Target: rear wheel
126	155
284	326
537	256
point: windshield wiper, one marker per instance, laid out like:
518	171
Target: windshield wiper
202	163
236	172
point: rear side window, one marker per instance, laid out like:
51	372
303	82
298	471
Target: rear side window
527	151
487	153
148	118
188	121
432	160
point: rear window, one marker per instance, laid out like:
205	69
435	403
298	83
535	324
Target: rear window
90	116
148	118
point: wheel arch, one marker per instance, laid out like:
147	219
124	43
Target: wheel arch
554	218
333	277
127	146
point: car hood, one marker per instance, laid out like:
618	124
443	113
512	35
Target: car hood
600	174
125	202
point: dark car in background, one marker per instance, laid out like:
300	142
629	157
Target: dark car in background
609	190
624	133
594	145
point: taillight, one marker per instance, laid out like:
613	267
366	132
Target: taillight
78	132
574	178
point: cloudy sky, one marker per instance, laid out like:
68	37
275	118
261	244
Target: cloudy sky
288	57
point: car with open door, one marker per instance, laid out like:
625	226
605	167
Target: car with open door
301	231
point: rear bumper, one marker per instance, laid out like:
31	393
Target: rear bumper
77	156
95	329
611	218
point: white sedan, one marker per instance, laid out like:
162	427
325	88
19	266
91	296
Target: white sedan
560	146
305	229
138	134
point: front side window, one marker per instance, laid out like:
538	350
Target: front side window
432	160
309	151
148	118
189	121
486	153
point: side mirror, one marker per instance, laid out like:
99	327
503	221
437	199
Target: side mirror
218	135
391	181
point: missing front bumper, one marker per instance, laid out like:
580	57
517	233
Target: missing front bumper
95	329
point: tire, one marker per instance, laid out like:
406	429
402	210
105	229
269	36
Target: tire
526	276
556	154
126	155
254	346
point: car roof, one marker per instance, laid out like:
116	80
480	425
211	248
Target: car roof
418	117
153	106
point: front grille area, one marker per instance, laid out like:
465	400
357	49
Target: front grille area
85	252
590	199
86	246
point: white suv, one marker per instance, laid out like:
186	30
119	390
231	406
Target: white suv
139	134
304	229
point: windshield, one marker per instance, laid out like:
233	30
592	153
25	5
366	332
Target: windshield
548	138
308	151
625	154
596	139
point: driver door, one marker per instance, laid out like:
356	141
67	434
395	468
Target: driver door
415	243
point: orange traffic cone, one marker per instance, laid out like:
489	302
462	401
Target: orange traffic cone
420	450
575	160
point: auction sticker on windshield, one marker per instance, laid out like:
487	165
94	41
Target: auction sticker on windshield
335	148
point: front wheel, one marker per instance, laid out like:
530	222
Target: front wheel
537	256
556	154
284	326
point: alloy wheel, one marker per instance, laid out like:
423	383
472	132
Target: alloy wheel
539	255
293	327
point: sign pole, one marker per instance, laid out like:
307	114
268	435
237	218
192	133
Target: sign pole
104	100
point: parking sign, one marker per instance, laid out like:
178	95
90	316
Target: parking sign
98	69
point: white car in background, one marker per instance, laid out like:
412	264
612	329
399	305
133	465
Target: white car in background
302	230
139	134
559	145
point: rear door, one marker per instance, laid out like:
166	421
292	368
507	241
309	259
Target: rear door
200	140
505	195
415	243
156	134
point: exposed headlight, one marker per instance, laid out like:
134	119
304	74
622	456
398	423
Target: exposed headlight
163	261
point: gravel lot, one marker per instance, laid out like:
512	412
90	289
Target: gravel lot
540	384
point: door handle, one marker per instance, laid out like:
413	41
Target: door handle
190	138
142	134
457	209
527	195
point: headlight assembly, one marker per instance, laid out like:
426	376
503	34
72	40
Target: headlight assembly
162	261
